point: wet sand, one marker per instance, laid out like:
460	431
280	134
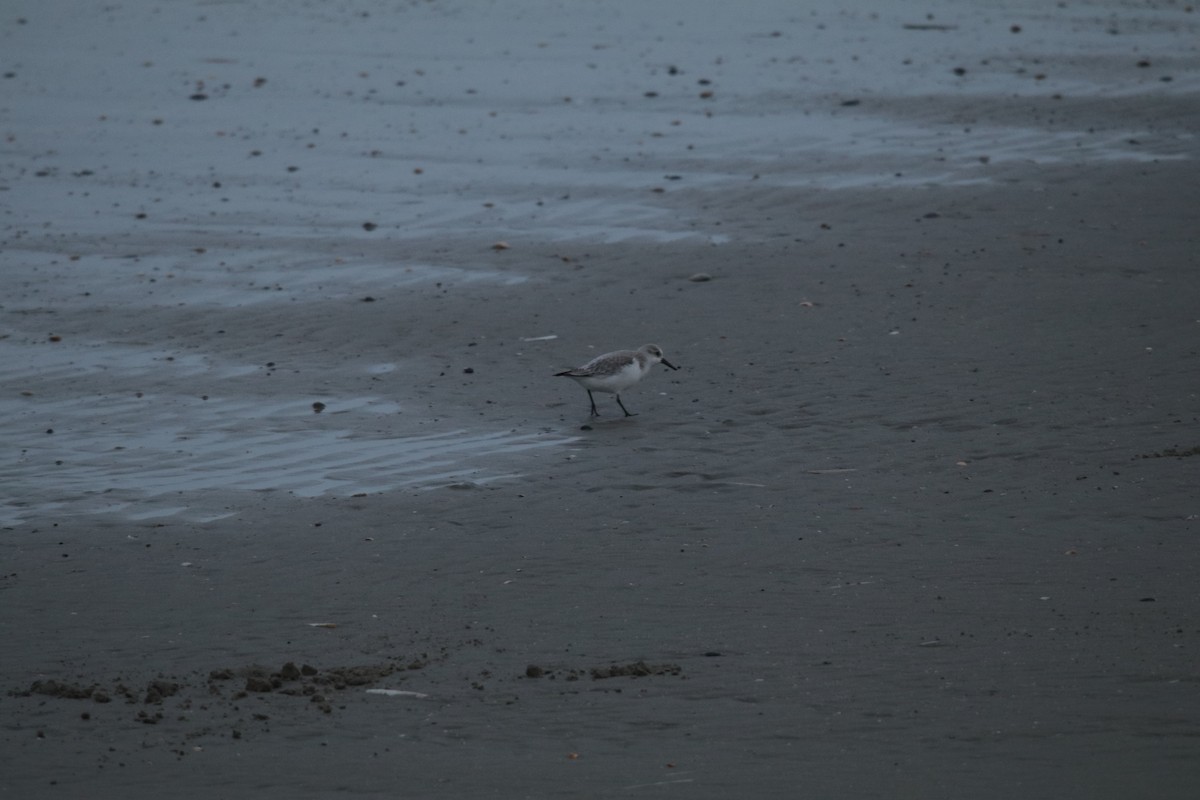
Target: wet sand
294	507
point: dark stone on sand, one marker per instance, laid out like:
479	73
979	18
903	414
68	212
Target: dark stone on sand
55	688
255	683
157	690
1173	452
636	669
362	675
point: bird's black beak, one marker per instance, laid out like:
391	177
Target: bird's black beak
669	364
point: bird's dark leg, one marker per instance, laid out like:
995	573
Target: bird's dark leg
595	413
623	408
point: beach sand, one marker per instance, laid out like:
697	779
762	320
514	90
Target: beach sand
293	506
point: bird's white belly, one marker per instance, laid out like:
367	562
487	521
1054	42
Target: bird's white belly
622	379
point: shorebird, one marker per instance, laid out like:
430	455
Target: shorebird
614	372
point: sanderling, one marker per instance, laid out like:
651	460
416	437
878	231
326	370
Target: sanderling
613	372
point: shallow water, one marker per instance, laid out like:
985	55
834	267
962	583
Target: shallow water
274	159
143	455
